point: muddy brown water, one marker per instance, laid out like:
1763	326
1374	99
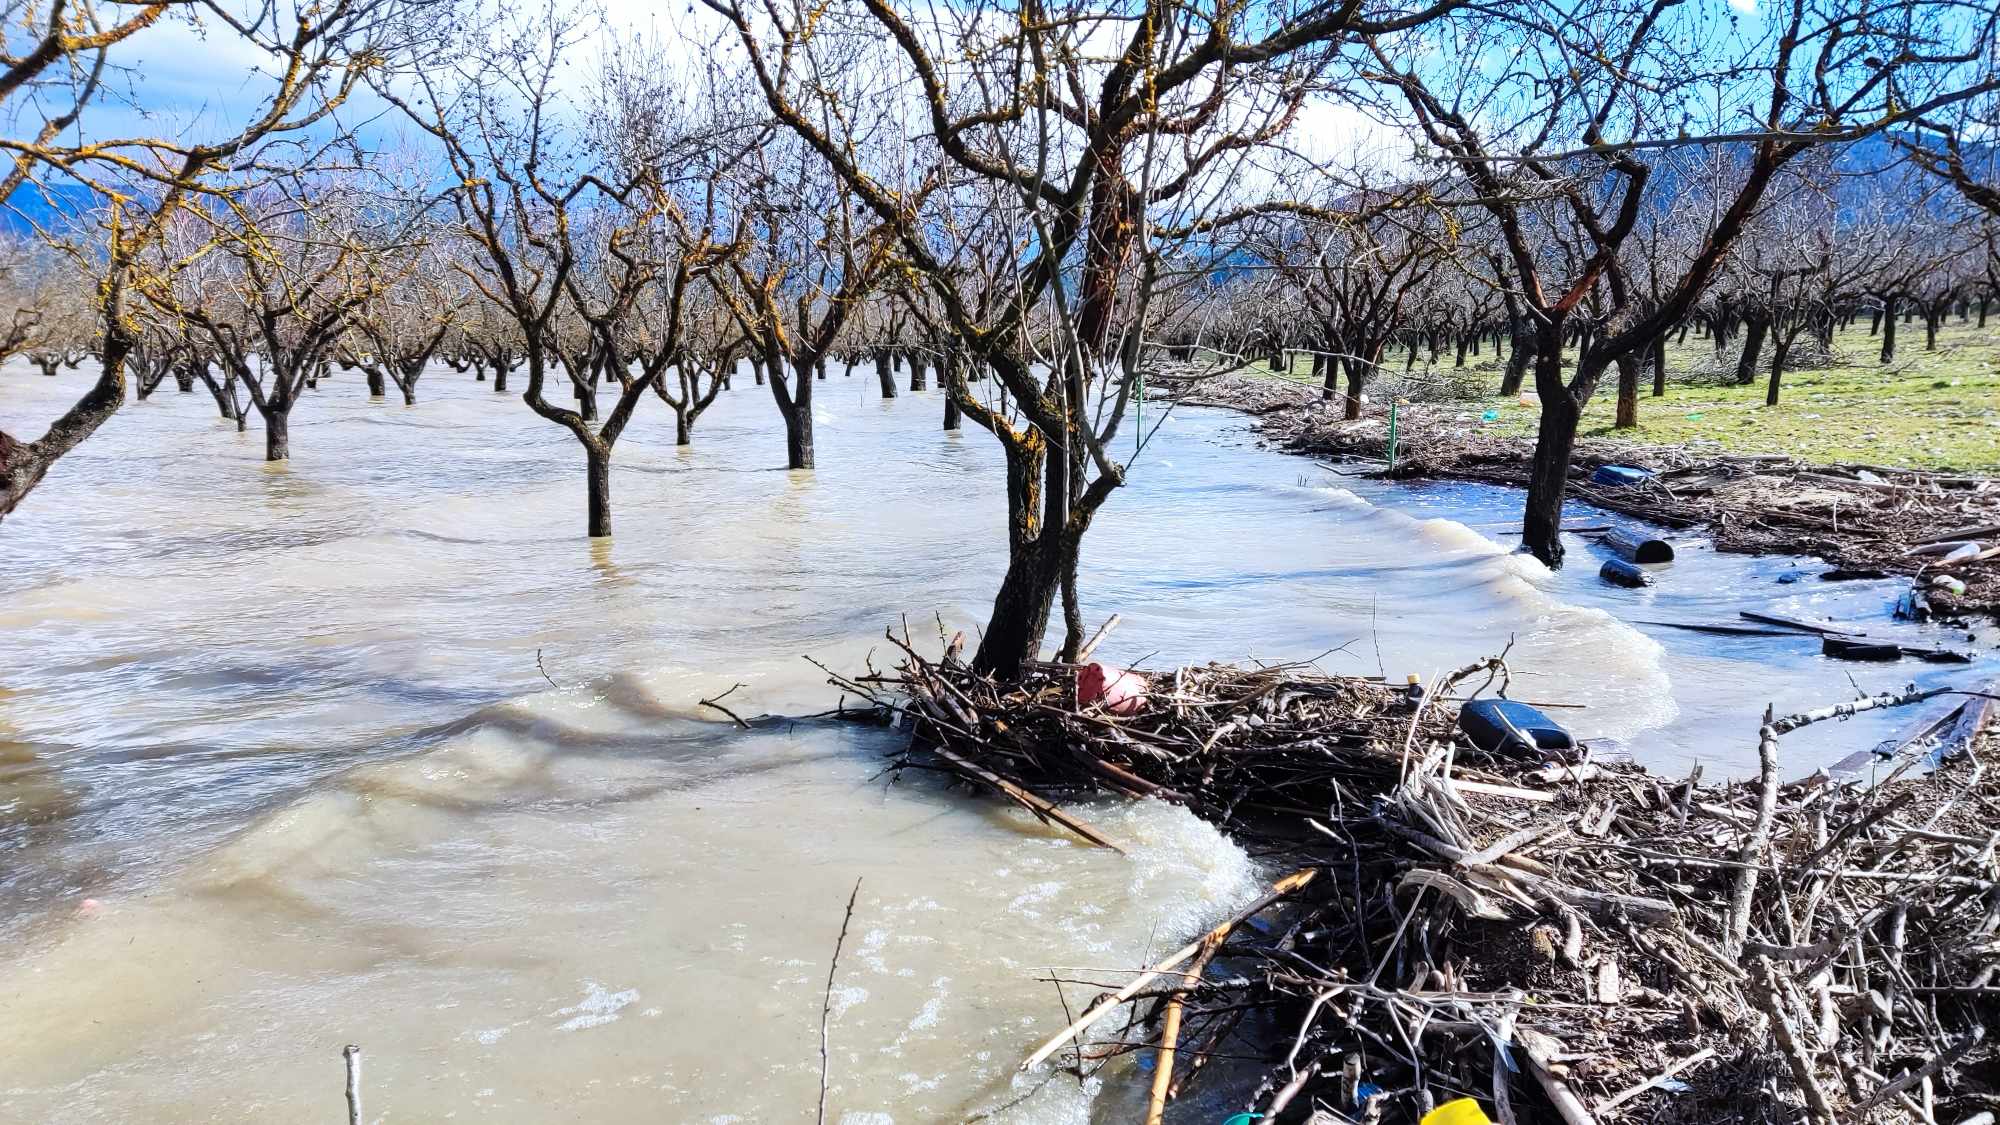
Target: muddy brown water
280	770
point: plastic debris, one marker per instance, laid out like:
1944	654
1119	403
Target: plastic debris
1620	475
1121	692
1618	572
1458	1111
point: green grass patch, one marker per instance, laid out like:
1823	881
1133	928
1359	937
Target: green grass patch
1929	409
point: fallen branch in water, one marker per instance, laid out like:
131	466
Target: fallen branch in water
716	703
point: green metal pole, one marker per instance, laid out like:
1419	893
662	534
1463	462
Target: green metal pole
1392	436
1139	415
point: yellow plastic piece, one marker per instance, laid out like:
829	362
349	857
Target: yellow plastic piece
1459	1111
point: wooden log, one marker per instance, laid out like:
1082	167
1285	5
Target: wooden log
1635	547
1859	650
1938	655
1823	629
1726	630
1976	531
1618	572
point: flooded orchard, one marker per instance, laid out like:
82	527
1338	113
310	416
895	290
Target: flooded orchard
375	747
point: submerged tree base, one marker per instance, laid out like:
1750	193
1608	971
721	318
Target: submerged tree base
1572	941
1866	520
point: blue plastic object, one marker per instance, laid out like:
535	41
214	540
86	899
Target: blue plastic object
1502	726
1620	476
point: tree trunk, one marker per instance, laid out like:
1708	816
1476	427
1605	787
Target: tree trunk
1628	392
1357	378
377	386
1779	348
1555	441
1753	347
683	434
1518	357
819	368
757	371
1888	352
919	372
1932	318
500	377
799	437
1875	322
278	433
1327	374
948	382
1660	363
1460	361
884	373
597	474
1020	617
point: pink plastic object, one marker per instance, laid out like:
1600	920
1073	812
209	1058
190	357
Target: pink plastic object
1121	692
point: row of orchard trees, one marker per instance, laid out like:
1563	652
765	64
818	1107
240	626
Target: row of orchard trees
1830	245
1030	200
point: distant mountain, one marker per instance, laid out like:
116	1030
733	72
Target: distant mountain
33	207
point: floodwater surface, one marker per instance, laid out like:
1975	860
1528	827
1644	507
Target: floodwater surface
375	747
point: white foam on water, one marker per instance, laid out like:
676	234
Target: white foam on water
598	1007
1560	650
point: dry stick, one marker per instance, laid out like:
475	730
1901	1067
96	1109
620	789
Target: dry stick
1033	802
1767	998
826	1006
1751	854
1278	890
1935	1064
1170	1029
1910	694
1626	1095
1541	1051
717	704
545	671
352	1054
1090	646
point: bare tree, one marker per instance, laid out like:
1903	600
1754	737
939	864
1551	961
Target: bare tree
304	254
1032	130
316	54
1577	119
570	212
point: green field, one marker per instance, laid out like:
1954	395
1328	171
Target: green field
1933	409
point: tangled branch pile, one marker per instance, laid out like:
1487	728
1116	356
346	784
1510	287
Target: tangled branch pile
1562	942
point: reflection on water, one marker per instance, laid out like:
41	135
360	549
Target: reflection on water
280	768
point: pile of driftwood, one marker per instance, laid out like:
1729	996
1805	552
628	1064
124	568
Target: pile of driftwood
1560	941
1869	520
